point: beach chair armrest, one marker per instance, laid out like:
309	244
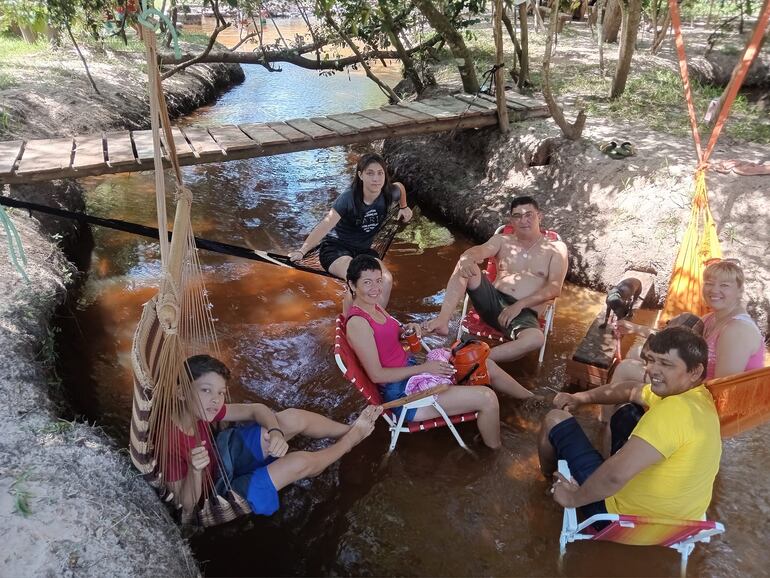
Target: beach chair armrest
409	399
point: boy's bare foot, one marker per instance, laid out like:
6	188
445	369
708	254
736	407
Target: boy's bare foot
364	425
437	326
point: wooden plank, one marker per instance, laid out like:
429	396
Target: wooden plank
145	151
313	130
263	135
512	105
360	123
9	152
524	101
291	134
413	115
454	106
331	124
183	148
429	110
231	138
45	155
385	117
120	151
475	102
89	152
202	142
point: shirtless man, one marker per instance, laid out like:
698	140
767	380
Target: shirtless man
530	272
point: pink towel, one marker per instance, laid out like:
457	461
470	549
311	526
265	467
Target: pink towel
423	381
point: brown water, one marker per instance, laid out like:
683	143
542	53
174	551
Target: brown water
431	509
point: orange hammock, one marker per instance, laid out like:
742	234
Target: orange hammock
743	400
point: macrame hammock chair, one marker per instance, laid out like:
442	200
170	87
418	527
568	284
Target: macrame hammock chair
177	323
174	325
743	400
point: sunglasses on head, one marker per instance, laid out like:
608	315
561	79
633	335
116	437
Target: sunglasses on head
720	260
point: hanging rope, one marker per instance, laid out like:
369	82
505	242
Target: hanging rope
701	242
15	248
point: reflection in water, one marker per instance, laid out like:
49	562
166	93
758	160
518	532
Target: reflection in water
431	509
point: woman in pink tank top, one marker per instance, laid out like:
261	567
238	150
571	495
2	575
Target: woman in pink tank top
374	336
735	342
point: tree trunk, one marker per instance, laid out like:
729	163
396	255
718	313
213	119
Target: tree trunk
524	76
632	14
571	131
661	34
410	71
502	108
516	46
612	19
601	7
443	26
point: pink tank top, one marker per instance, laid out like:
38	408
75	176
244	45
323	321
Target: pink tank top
386	337
756	360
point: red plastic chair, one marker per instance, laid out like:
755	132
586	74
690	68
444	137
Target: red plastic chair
472	323
680	535
351	368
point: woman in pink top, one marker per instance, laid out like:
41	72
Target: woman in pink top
374	336
735	342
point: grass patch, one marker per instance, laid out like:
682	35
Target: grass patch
13	47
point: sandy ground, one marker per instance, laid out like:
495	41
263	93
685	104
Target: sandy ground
71	504
613	214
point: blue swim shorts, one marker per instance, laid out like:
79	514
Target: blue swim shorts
395	390
246	467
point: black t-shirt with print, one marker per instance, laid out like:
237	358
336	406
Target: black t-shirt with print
358	230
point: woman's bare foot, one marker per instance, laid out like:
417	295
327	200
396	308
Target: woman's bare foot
437	326
364	425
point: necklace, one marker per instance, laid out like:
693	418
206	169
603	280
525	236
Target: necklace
525	252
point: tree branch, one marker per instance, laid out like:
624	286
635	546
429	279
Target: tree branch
201	57
291	57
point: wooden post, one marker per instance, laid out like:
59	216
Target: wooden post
502	109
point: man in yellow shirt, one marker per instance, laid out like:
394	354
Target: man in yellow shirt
666	467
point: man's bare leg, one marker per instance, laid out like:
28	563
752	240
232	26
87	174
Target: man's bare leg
298	465
387	285
529	339
501	381
455	292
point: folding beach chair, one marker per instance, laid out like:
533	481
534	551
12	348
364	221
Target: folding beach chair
472	323
680	535
351	368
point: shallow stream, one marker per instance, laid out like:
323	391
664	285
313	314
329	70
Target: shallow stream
431	509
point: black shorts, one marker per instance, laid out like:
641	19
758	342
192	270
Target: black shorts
330	250
489	303
571	444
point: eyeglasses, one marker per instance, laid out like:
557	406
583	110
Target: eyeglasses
520	216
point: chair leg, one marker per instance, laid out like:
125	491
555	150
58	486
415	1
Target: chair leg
396	430
450	425
685	553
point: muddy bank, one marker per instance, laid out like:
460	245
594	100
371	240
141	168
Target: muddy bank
613	214
70	501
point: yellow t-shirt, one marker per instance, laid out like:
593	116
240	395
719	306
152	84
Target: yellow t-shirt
685	429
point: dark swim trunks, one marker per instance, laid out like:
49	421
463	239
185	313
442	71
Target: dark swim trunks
331	250
572	444
244	464
489	303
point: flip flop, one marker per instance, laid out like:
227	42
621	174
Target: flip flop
609	147
627	149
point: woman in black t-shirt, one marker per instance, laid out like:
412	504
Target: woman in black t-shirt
354	220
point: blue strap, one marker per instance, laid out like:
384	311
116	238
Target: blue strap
144	20
15	248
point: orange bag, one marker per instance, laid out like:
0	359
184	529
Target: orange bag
470	360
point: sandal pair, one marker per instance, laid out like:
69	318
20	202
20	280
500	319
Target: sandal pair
618	151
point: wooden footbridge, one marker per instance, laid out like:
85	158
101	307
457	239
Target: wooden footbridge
128	151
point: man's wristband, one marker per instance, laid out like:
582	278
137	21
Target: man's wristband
272	429
402	208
